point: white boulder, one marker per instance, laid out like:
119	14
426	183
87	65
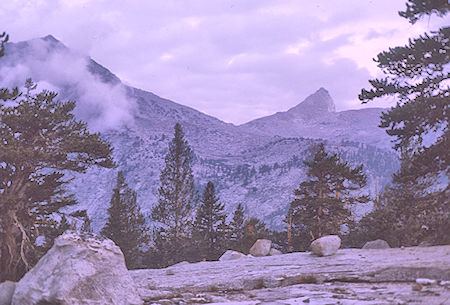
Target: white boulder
376	244
80	268
231	255
326	245
261	247
6	292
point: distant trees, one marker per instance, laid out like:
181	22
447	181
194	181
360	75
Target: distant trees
40	140
417	75
173	214
126	224
321	203
210	229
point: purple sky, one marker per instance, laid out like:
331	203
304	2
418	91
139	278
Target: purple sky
235	60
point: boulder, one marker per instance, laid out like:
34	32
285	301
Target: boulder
231	255
80	268
6	292
261	247
275	252
326	245
376	244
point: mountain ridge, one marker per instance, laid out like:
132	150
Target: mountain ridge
258	166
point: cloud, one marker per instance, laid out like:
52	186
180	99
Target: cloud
259	56
102	105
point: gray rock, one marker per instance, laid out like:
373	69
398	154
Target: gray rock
275	252
354	276
376	244
261	247
326	245
6	292
78	269
231	255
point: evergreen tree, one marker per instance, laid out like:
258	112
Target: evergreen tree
40	140
173	213
210	229
417	75
237	226
320	205
126	224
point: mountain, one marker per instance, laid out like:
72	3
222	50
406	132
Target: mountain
316	118
257	164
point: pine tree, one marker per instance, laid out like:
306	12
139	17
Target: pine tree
416	75
320	205
173	213
40	141
210	228
237	226
126	224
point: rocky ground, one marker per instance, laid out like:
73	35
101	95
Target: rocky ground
351	276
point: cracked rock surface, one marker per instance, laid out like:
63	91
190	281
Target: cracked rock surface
351	276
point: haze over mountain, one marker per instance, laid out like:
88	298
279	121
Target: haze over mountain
257	164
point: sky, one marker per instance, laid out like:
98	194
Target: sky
235	60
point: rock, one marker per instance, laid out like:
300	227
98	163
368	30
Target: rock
231	255
327	245
6	292
80	268
261	247
376	244
274	252
425	281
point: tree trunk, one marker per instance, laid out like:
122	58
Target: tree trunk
10	261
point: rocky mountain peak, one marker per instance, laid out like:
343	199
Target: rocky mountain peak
317	104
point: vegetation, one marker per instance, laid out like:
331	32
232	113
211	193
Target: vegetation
126	224
210	229
173	213
40	141
321	203
417	201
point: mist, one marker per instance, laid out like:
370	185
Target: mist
103	105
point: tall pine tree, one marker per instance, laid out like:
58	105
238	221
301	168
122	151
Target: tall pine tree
321	203
210	228
173	213
126	224
417	75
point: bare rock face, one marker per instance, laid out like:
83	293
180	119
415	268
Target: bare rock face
79	269
261	247
231	255
327	245
6	292
376	244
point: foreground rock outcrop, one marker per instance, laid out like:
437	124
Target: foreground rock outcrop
78	269
350	276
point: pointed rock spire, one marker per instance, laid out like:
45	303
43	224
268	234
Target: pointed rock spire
318	103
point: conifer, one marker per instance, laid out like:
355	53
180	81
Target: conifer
126	224
321	203
210	229
173	212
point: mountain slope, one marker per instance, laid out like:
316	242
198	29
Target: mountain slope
257	164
